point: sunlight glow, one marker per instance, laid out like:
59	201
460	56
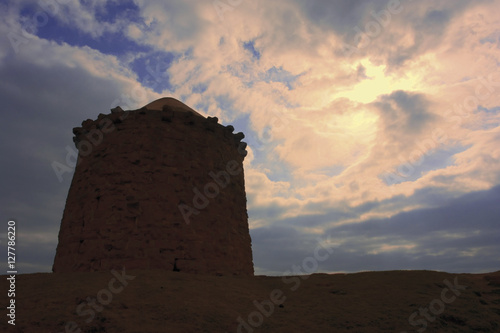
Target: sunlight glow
376	83
390	248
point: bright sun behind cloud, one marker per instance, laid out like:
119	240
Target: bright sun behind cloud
376	83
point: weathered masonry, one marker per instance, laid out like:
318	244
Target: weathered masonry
161	187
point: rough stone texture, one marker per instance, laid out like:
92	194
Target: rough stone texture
161	187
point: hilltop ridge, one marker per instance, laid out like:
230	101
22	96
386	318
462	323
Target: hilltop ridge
160	301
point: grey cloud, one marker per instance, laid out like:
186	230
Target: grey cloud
464	224
474	211
429	31
461	235
429	28
313	220
326	214
269	212
405	119
434	21
40	106
405	112
277	248
340	16
428	21
361	73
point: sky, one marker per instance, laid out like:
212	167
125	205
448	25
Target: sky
373	126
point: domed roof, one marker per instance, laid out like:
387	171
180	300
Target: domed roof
171	102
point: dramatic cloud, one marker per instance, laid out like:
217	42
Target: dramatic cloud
373	126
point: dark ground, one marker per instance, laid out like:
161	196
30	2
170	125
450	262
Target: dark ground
158	301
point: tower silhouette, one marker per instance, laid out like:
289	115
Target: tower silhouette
161	187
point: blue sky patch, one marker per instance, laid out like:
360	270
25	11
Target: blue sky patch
50	28
491	110
152	70
491	38
224	103
113	11
203	106
411	169
250	46
278	74
199	88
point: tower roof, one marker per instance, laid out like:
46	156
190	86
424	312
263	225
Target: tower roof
159	104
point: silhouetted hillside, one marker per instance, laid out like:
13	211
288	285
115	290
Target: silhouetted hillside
159	301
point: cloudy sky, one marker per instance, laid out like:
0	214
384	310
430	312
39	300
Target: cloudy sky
373	125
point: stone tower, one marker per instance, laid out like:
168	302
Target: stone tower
160	187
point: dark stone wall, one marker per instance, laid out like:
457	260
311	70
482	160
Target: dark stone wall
156	190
